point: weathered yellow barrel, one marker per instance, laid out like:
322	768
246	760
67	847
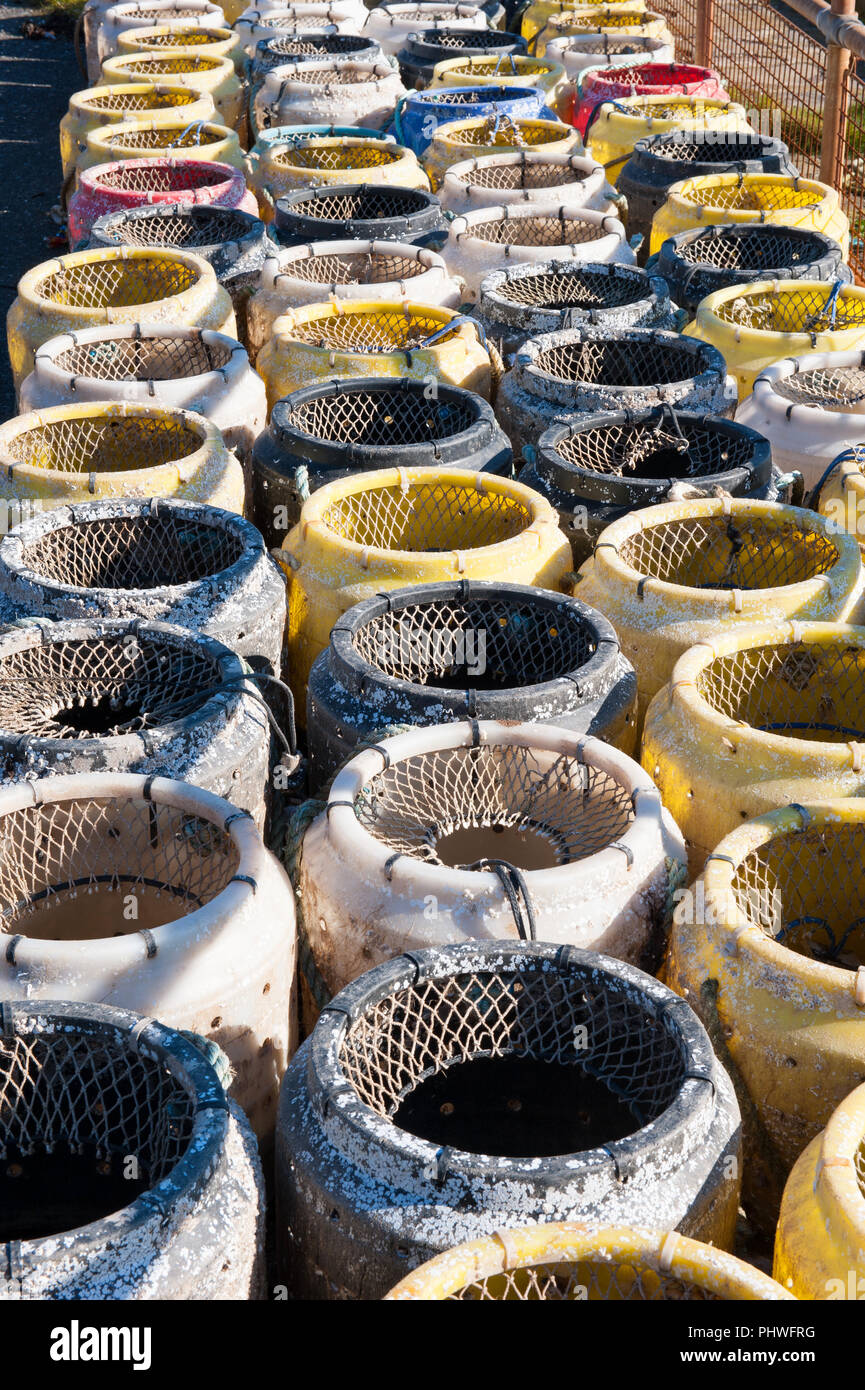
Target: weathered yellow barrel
101	106
769	948
748	198
190	68
820	1241
618	125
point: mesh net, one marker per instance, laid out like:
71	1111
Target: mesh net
185	227
624	361
182	136
387	417
431	1028
354	268
151	65
74	1108
497	130
756	248
814	692
538	174
830	388
607	44
295	46
656	449
174	38
113	283
427	516
143	551
799	889
313	156
596	1280
343	76
68	863
576	287
573	809
517	641
512	65
690	147
702	111
562	229
143	358
800	310
136	101
367	204
735	552
590	21
136	176
379	330
647	77
475	39
104	444
752	193
163	15
103	686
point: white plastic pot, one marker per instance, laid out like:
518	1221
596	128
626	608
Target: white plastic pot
394	863
166	13
193	368
810	409
340	94
526	177
360	270
156	896
577	52
494	238
390	25
257	24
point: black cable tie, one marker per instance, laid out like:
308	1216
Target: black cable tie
476	733
149	941
383	753
331	804
722	858
236	815
7	1018
147	789
442	1163
626	850
389	863
10	949
245	878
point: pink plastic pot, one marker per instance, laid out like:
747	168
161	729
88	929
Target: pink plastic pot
642	80
133	183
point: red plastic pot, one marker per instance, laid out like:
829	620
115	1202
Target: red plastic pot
644	80
134	183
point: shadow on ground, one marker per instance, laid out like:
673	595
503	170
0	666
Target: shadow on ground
36	79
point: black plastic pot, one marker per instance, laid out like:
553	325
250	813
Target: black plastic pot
311	47
423	50
437	653
596	468
696	263
234	242
336	428
524	300
659	161
361	212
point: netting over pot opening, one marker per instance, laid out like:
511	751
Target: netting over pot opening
200	229
312	47
107	441
113	282
163	175
366	211
156	355
697	263
706	552
522	301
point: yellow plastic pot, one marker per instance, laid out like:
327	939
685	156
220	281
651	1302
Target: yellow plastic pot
124	285
566	1261
539	11
512	70
214	77
97	107
686	572
748	198
768	947
755	325
756	719
74	453
820	1241
618	125
619	21
147	139
383	530
841	495
327	160
460	140
214	43
348	338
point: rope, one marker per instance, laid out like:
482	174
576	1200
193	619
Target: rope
212	1052
289	743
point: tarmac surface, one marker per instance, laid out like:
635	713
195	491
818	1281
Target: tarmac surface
37	76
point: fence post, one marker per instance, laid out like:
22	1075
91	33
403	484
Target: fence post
704	32
835	99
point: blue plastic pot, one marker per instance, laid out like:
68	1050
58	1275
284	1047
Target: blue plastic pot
418	115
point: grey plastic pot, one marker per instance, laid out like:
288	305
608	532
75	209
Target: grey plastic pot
165	561
596	1074
443	652
579	371
595	468
525	300
109	695
85	1088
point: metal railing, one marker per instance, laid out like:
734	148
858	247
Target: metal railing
798	66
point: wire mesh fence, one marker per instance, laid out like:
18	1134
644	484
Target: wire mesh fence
798	67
